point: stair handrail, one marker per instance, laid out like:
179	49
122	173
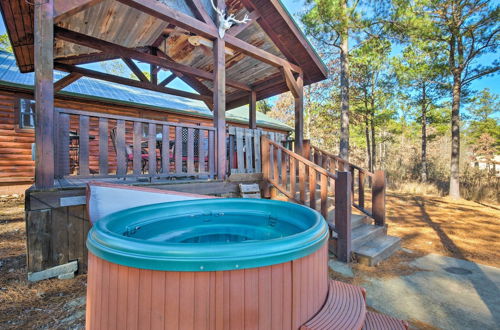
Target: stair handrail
378	180
289	170
283	174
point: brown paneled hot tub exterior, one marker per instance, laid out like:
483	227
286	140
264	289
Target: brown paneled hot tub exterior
281	296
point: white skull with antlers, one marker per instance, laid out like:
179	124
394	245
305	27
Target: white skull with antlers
226	21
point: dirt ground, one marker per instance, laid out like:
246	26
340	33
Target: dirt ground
460	229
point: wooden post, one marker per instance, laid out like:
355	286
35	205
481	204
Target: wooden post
252	108
220	106
299	116
44	92
378	197
343	215
306	149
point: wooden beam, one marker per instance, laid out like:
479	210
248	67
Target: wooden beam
290	81
199	11
65	81
114	49
128	82
163	12
85	58
135	69
252	110
220	106
237	29
167	80
67	8
44	93
299	116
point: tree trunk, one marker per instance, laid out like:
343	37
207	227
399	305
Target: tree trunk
455	138
368	149
372	128
344	87
423	174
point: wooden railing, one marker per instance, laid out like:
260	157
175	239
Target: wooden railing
244	149
97	145
360	179
296	177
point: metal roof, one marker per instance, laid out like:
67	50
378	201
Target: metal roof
107	91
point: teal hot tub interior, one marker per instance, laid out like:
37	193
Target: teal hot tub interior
208	235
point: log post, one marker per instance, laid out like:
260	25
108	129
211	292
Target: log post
299	116
220	106
44	92
252	108
378	197
343	215
306	149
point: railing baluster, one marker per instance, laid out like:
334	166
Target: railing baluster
103	146
284	166
152	149
121	159
302	182
324	196
64	156
256	148
178	150
84	146
201	151
265	165
293	176
165	149
239	150
312	188
361	189
276	162
190	151
248	151
211	153
137	148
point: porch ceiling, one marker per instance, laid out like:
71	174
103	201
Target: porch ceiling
271	30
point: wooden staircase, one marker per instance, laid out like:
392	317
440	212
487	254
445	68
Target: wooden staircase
345	308
356	232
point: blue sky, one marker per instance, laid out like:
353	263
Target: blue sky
295	7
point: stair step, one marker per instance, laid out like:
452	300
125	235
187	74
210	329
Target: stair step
357	220
366	233
377	321
345	308
374	251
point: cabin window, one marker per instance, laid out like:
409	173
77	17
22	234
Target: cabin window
26	113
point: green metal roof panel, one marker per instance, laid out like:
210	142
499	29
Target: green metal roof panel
107	91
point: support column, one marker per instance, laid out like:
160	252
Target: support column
299	116
44	93
252	108
220	106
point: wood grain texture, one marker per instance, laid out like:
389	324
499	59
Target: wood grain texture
282	296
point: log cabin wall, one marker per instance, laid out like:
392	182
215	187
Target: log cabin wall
16	163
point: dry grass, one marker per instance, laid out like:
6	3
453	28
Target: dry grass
51	304
456	228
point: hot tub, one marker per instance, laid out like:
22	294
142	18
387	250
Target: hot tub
207	264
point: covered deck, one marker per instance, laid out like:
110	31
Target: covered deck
248	62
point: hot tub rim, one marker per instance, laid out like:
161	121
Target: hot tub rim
138	253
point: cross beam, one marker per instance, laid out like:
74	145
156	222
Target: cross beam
128	82
121	51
